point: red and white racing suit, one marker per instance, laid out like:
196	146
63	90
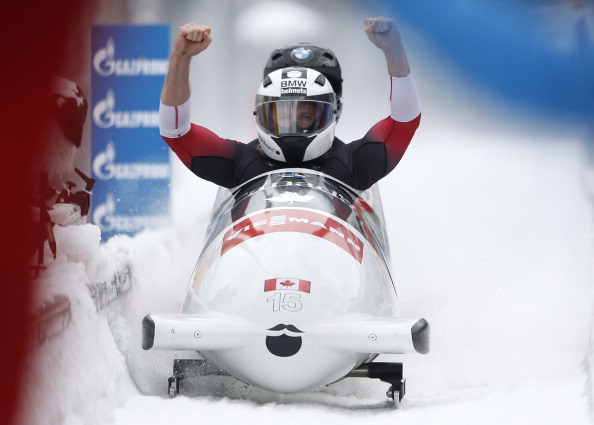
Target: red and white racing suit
358	164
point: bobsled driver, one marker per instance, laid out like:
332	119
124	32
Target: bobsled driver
298	104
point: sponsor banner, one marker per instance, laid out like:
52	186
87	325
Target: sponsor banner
294	220
130	50
287	283
129	160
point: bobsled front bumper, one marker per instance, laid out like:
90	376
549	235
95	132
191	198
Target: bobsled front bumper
216	332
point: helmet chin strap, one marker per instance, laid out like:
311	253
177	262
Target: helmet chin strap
293	147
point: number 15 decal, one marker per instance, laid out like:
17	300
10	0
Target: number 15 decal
286	301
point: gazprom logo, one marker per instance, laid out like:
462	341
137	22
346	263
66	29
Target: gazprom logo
105	115
105	216
105	63
105	167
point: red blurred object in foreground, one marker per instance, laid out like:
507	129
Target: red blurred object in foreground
35	38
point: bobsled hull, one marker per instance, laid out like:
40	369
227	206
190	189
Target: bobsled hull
292	290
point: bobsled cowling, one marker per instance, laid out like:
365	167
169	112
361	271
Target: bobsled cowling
292	290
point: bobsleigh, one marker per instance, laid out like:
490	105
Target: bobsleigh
292	290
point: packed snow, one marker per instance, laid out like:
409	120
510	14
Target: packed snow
489	219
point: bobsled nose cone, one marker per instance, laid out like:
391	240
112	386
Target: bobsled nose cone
283	345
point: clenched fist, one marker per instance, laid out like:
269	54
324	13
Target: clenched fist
192	39
382	32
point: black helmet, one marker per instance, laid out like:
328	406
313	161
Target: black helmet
310	56
71	108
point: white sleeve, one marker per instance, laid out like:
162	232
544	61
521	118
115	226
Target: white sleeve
404	99
174	121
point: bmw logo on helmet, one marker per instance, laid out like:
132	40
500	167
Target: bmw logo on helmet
300	54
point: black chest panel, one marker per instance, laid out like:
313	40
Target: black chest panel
358	164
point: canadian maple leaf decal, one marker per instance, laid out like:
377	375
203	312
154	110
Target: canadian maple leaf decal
287	283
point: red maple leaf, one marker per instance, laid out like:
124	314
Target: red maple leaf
287	283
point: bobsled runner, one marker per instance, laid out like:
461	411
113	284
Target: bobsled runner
292	290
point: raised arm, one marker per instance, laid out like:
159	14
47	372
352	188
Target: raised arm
404	97
384	34
371	160
190	40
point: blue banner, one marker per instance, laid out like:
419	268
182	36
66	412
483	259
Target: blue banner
129	160
536	54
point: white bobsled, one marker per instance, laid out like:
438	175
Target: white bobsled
292	290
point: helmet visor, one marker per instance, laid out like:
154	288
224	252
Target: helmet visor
294	117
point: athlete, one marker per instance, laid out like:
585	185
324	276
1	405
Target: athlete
297	107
